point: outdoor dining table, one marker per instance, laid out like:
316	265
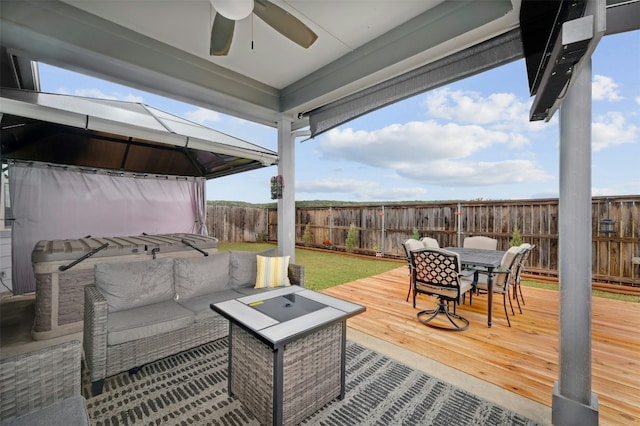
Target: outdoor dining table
471	258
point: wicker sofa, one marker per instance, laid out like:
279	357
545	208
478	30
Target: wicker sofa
136	313
43	387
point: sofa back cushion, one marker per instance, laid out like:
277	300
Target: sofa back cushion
244	267
130	285
196	276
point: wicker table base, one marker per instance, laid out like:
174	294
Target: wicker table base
287	351
286	386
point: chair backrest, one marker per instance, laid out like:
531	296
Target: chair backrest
526	251
480	242
430	242
510	262
439	270
410	245
527	248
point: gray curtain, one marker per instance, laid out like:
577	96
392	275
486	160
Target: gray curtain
52	202
200	207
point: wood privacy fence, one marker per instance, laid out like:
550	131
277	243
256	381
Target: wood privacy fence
616	256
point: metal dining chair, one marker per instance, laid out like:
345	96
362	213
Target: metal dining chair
437	273
430	242
504	278
527	248
480	242
408	246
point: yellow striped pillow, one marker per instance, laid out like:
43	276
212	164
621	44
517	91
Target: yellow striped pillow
272	272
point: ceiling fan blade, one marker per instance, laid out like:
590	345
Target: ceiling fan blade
285	23
221	35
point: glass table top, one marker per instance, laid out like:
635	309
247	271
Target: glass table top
286	307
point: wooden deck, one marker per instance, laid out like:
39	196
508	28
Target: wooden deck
523	358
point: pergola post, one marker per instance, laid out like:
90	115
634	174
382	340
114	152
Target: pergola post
573	402
287	204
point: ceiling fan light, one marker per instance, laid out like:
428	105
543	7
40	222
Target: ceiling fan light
233	9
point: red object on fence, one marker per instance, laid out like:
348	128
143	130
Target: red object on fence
458	213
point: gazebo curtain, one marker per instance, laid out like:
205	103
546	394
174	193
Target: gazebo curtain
53	202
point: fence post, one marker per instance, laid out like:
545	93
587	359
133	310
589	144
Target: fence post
459	215
382	230
331	226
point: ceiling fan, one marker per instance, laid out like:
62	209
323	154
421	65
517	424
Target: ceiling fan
230	11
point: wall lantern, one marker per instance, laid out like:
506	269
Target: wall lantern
607	225
277	186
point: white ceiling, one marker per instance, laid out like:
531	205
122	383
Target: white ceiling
162	46
342	27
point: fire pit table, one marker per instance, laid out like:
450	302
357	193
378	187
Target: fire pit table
286	351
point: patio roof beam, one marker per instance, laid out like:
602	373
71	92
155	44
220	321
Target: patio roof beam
492	53
59	34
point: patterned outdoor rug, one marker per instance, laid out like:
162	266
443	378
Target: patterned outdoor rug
191	389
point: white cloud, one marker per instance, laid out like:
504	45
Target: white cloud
630	187
398	194
611	129
335	185
497	111
428	152
202	116
605	89
98	94
550	193
358	189
601	192
481	173
471	107
400	143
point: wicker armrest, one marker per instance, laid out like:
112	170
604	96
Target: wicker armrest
95	331
37	379
296	274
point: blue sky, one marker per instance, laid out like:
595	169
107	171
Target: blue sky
466	141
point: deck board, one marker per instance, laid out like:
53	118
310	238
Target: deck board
522	358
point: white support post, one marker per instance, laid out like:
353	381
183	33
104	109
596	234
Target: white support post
573	403
287	204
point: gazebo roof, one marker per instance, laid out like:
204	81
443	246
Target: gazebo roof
117	135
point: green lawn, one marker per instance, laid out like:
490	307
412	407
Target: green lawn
323	269
326	269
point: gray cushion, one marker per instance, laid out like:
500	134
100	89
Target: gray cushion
200	275
146	321
129	285
200	305
70	411
244	266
